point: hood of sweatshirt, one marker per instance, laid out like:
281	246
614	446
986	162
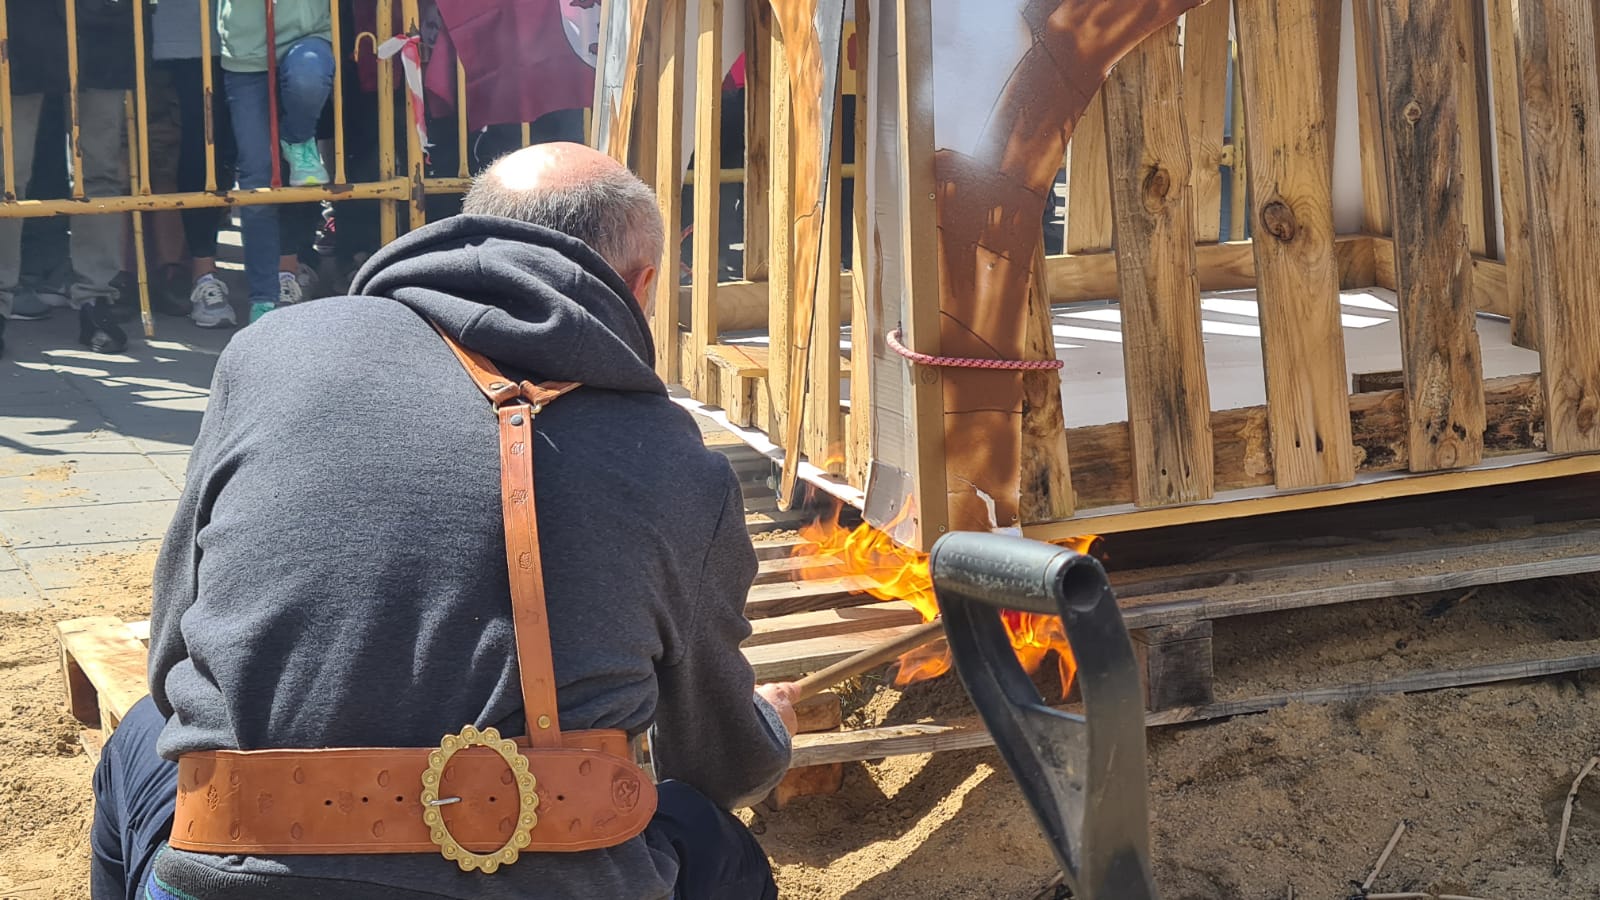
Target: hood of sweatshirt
529	298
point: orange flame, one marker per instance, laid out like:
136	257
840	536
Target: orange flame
894	572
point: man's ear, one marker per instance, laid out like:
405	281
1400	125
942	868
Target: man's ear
642	284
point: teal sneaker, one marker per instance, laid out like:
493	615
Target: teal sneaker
257	310
305	163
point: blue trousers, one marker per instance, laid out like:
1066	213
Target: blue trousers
135	791
305	81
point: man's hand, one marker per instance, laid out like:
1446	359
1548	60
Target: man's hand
781	696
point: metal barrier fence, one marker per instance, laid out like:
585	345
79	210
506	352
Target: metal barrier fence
401	180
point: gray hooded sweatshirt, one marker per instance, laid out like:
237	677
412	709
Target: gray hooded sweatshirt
335	574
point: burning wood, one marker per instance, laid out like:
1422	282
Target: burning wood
902	574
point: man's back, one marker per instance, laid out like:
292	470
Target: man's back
336	576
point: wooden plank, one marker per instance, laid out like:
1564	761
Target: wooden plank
640	111
779	303
824	422
743	305
776	548
919	220
1089	183
1557	54
758	87
795	568
1205	106
1374	160
1102	461
1424	681
1513	179
1169	402
831	622
669	186
969	734
813	32
761	523
1175	662
707	243
1438	324
1472	119
1138	614
1440	550
1329	25
99	651
1525	468
791	659
858	435
768	600
1046	466
1302	341
1220	267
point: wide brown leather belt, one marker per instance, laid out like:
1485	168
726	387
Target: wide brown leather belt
369	800
477	799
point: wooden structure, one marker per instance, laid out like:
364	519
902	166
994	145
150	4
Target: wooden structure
1393	175
802	624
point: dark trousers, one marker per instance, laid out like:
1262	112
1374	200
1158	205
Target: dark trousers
135	791
184	75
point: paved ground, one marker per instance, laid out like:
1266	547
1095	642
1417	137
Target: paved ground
92	447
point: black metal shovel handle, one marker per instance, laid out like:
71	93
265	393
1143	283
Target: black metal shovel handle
1083	775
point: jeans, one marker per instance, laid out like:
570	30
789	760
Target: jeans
135	793
96	243
305	80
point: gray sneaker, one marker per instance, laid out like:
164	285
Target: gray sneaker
28	306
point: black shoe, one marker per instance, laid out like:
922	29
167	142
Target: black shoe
169	292
98	331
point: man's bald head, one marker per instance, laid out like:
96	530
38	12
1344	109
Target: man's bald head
580	192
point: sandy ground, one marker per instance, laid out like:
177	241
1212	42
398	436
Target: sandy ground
45	801
1304	797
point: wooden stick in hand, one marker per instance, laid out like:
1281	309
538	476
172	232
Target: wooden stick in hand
868	659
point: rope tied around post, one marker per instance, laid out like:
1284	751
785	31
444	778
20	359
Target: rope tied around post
959	362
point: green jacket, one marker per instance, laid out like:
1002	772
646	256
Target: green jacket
242	28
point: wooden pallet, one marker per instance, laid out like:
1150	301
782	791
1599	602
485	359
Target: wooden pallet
806	626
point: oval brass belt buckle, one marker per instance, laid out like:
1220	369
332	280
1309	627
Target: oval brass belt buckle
527	815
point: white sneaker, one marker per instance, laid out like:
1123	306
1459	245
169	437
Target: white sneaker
307	277
209	307
289	289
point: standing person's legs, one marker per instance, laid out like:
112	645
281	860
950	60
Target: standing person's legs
25	126
207	304
165	241
718	858
305	82
97	240
135	791
46	262
256	158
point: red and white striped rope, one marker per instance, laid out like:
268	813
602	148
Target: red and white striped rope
957	362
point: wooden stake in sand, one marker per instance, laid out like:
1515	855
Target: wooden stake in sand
1566	814
1384	858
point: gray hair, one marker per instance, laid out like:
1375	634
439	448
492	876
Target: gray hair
613	212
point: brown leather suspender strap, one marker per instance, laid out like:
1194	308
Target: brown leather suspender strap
516	405
563	793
